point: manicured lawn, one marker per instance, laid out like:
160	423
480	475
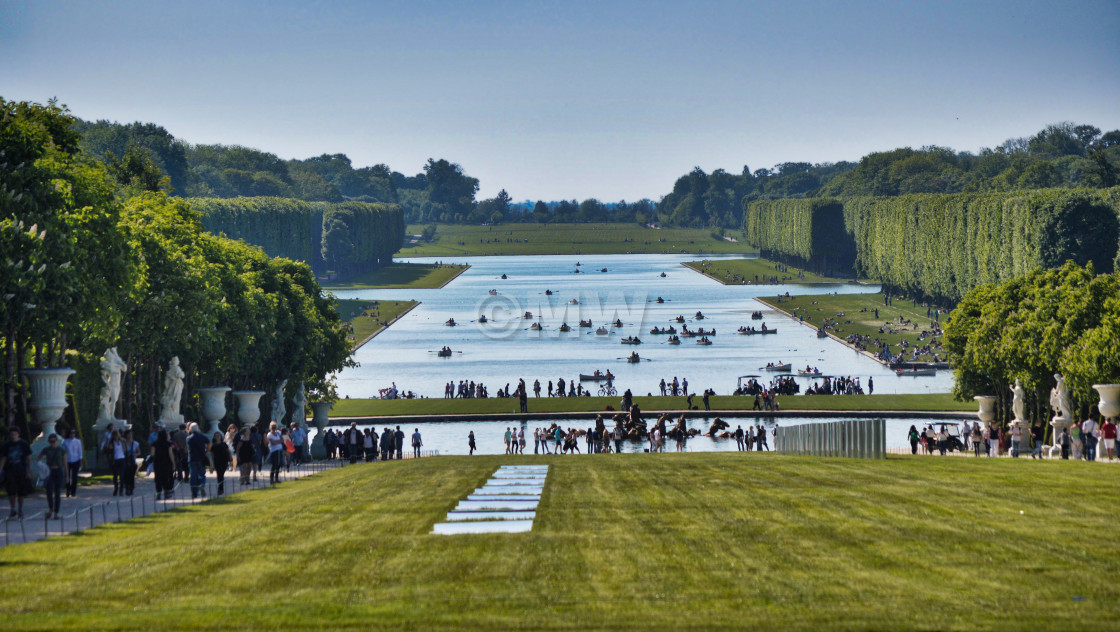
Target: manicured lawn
567	239
369	317
757	272
620	542
402	275
855	314
379	407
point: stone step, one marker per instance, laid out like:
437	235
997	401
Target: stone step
487	526
461	516
496	505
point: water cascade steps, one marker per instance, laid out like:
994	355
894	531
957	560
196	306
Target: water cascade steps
507	503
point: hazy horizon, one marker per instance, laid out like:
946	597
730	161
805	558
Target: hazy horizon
569	100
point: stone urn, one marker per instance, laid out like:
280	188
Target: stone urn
212	406
48	400
319	419
248	406
1110	400
987	412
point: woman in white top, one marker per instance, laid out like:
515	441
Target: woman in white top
74	457
275	445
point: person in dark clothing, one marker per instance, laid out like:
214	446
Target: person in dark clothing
163	465
197	447
470	442
180	439
15	460
220	457
128	468
354	442
523	399
398	442
245	456
707	394
386	444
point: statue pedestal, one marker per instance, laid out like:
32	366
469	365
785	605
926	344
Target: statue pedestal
48	400
319	419
1060	424
212	406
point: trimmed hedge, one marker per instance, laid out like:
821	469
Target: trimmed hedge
286	227
807	232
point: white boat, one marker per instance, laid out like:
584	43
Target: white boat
778	368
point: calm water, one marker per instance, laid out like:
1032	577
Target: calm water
451	437
505	349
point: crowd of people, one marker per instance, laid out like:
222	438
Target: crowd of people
367	445
840	386
1088	439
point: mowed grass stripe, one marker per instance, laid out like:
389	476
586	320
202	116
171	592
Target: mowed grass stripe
691	541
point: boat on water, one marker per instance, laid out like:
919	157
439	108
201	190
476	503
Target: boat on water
603	270
751	331
679	319
482	318
634	358
597	376
685	331
444	352
631	340
699	316
493	292
658	331
576	271
916	372
704	341
777	368
807	372
573	302
504	276
601	331
659	299
450	322
565	327
578	264
617	322
821	333
535	327
662	275
548	292
756	315
585	323
528	314
673	340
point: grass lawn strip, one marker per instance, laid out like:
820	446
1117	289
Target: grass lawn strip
439	406
568	239
368	318
758	272
859	318
669	542
402	276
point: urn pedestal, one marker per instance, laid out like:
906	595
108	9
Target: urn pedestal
212	407
248	406
319	419
48	400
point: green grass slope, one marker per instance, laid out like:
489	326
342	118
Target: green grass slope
401	275
666	542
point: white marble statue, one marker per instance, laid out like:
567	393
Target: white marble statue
1018	402
278	409
112	367
172	393
1059	399
299	409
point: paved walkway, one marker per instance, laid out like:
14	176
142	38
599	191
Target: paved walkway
95	504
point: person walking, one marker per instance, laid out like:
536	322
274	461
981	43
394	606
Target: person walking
221	458
1036	440
54	456
275	448
536	388
245	457
739	438
522	399
1090	433
259	447
521	441
75	456
1078	442
1016	438
1065	441
470	442
353	442
977	438
163	464
128	468
417	443
198	445
507	437
115	450
913	437
15	462
1108	438
398	442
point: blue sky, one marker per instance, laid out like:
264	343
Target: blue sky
573	99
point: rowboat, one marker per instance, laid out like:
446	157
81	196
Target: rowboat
757	332
821	333
703	341
777	368
585	323
633	358
630	340
444	353
535	327
573	302
528	314
601	331
699	316
450	322
916	372
756	315
673	340
482	318
583	377
565	327
809	373
493	292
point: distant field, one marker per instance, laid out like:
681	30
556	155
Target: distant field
368	317
859	318
440	406
757	272
401	275
568	239
695	541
